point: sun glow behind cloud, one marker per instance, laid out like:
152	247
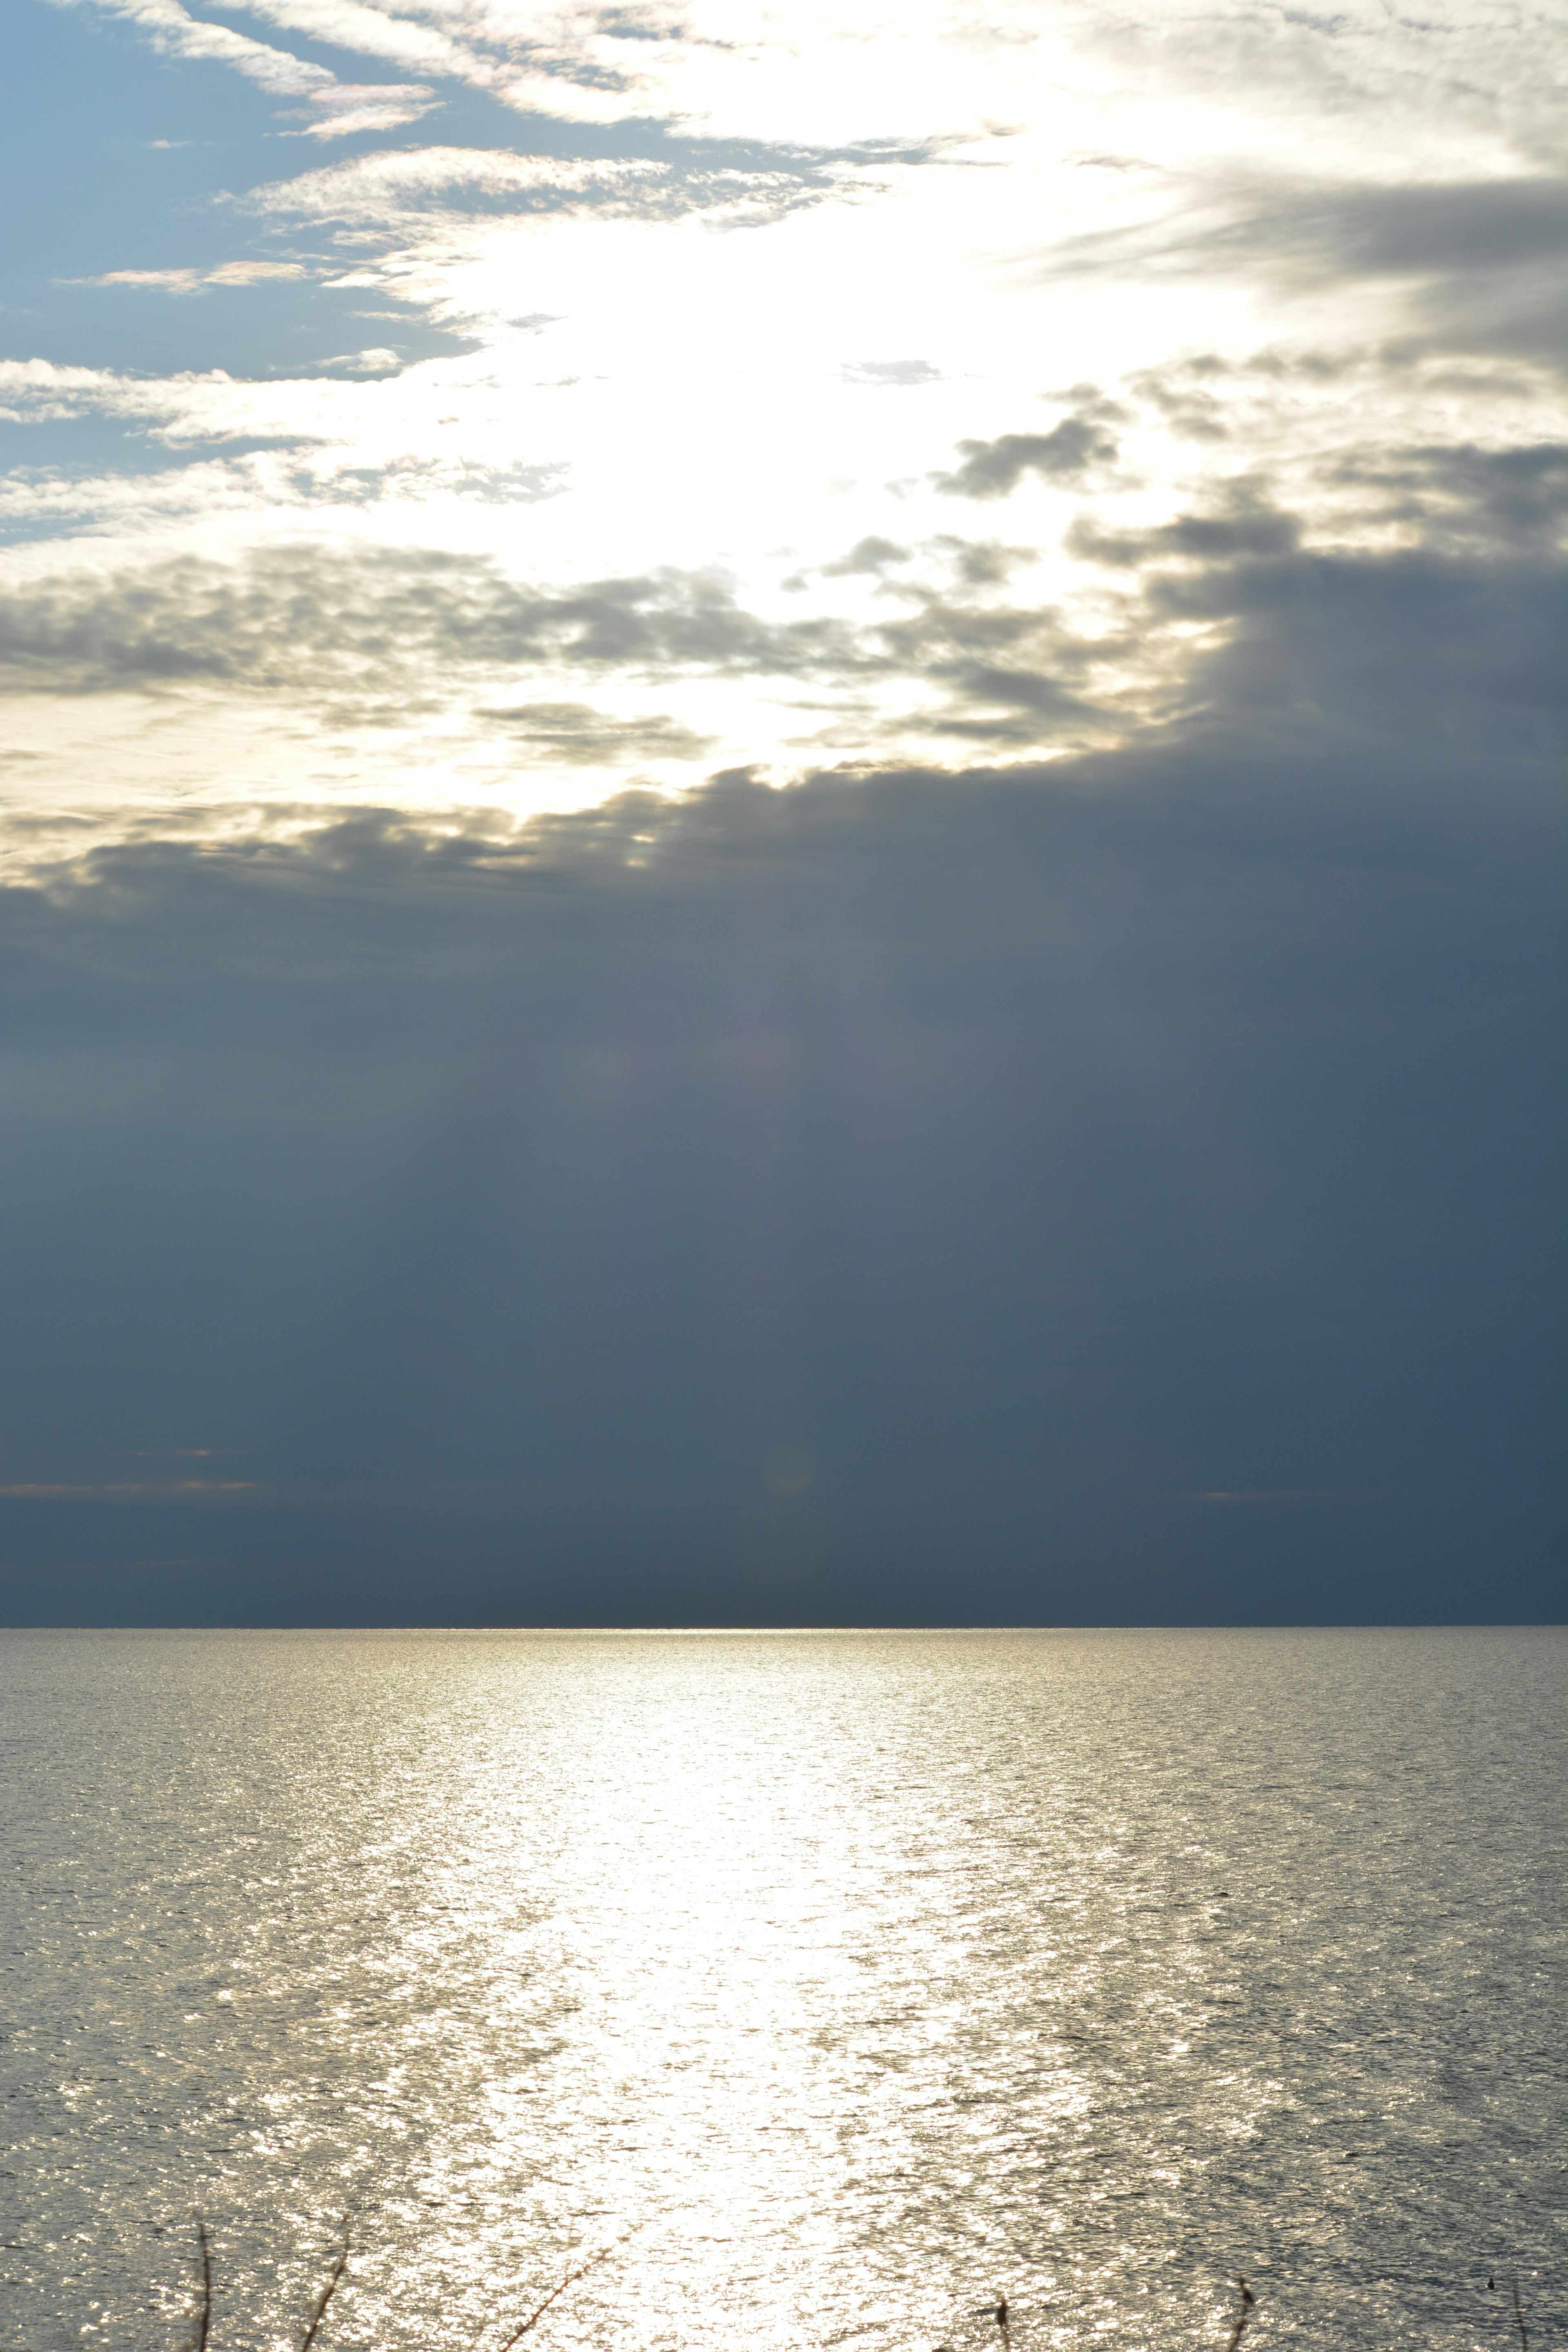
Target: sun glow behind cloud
798	392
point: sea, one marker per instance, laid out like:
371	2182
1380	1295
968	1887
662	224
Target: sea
782	1989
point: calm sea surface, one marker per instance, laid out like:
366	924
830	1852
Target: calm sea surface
841	1982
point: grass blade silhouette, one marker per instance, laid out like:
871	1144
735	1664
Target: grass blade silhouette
205	2316
1248	2300
327	2293
554	2296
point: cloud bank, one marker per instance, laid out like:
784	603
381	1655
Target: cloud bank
1042	1154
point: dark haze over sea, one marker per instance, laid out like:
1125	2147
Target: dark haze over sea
860	1978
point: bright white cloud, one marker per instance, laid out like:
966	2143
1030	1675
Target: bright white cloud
373	190
335	108
348	107
250	272
173	31
1192	81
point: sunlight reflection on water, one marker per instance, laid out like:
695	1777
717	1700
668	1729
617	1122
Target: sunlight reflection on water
860	1977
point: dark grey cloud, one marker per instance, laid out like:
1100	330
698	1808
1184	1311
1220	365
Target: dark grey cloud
1485	259
1185	397
1469	227
1031	1151
1509	501
1001	704
1454	636
992	468
872	555
307	617
578	732
1246	524
981	563
1015	673
1330	650
1489	257
381	635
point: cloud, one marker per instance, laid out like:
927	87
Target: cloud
870	556
368	31
339	108
377	637
373	190
1513	501
364	432
371	187
1479	260
350	107
1266	1495
893	70
193	280
1246	524
1441	653
378	359
174	32
1487	257
1446	637
1184	397
584	736
981	563
1032	1151
160	1490
306	618
362	635
1116	1067
1463	228
992	468
900	373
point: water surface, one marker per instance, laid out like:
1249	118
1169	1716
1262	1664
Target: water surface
841	1981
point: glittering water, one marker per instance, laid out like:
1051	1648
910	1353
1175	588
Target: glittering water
859	1977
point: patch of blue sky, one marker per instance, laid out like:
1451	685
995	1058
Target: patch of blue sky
277	327
107	149
114	159
94	444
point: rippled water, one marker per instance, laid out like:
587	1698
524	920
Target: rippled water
859	1977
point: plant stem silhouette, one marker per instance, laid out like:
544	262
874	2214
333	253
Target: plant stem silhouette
1248	2301
327	2293
571	2279
204	2319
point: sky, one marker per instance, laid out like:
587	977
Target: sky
782	814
